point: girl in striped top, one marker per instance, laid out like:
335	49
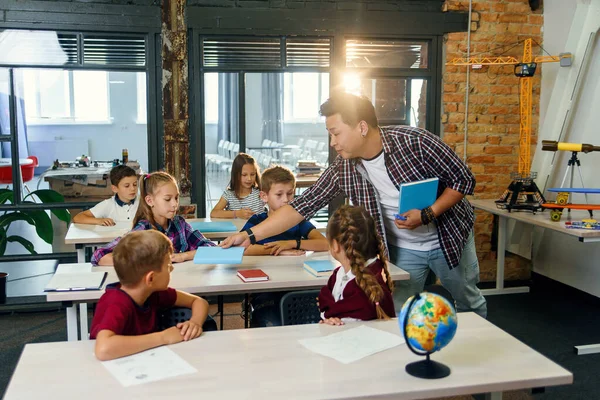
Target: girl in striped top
241	198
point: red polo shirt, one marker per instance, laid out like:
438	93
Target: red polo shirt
117	312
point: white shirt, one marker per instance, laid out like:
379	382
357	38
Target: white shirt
423	238
341	280
110	208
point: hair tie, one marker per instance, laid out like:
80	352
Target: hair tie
376	303
146	176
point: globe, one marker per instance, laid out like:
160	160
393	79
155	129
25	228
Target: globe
428	322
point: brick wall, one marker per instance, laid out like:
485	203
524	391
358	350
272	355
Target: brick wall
493	121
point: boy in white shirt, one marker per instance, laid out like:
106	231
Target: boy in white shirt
119	208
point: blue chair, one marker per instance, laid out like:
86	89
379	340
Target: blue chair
175	315
298	308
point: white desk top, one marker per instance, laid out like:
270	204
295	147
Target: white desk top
284	273
269	363
95	234
541	219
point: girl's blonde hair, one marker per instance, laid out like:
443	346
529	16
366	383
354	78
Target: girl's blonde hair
149	185
354	229
236	172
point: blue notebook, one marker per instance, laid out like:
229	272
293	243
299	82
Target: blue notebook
210	226
319	267
419	195
219	255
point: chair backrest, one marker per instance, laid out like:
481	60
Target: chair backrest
175	315
266	143
300	142
298	308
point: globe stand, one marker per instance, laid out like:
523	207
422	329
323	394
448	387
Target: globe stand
427	369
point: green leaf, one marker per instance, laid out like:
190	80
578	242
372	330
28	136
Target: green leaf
51	196
43	224
24	242
9	218
6	195
2	244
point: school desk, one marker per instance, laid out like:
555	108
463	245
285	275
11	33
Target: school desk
285	273
270	363
84	235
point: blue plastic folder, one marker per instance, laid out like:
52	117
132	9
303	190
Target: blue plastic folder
417	195
210	226
219	255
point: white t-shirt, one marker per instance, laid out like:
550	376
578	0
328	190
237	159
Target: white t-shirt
117	210
423	238
251	201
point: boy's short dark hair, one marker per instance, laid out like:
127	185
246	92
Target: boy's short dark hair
276	174
119	172
138	253
351	108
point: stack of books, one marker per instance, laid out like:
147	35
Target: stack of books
305	167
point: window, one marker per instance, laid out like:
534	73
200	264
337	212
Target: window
304	92
141	98
59	96
211	98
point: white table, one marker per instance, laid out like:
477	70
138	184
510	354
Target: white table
84	236
541	219
285	273
269	363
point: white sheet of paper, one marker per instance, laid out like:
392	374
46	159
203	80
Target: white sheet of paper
73	268
117	227
352	344
149	366
81	280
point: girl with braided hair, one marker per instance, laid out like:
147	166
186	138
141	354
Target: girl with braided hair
361	288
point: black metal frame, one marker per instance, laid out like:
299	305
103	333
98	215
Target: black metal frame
147	23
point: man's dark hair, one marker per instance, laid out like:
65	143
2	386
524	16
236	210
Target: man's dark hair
119	172
351	108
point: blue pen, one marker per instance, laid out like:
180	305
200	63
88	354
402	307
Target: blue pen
400	217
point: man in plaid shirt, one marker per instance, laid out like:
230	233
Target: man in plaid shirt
372	162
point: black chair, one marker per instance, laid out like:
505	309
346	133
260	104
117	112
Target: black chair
173	316
298	308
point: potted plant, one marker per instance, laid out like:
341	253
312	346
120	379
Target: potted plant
38	218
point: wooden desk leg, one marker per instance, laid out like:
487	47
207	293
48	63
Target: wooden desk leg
500	257
83	321
72	322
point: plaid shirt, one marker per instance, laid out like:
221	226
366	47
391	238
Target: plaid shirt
410	154
181	234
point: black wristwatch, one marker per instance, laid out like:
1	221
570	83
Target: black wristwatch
298	244
251	236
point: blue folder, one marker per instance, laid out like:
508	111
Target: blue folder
210	226
417	195
219	255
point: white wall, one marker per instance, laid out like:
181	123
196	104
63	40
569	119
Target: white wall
555	255
105	141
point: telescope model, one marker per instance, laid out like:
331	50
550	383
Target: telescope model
551	145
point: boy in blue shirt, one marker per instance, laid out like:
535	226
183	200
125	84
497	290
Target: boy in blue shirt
278	185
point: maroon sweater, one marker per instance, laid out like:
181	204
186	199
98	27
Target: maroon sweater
355	303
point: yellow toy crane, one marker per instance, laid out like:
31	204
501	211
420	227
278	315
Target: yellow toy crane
523	192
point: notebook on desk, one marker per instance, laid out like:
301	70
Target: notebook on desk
219	255
214	226
417	195
75	281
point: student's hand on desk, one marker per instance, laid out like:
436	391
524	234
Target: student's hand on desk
178	257
106	222
412	221
172	335
332	321
280	245
189	330
244	213
291	253
239	239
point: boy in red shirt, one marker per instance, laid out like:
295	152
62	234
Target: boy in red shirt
126	318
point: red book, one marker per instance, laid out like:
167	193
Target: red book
252	275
